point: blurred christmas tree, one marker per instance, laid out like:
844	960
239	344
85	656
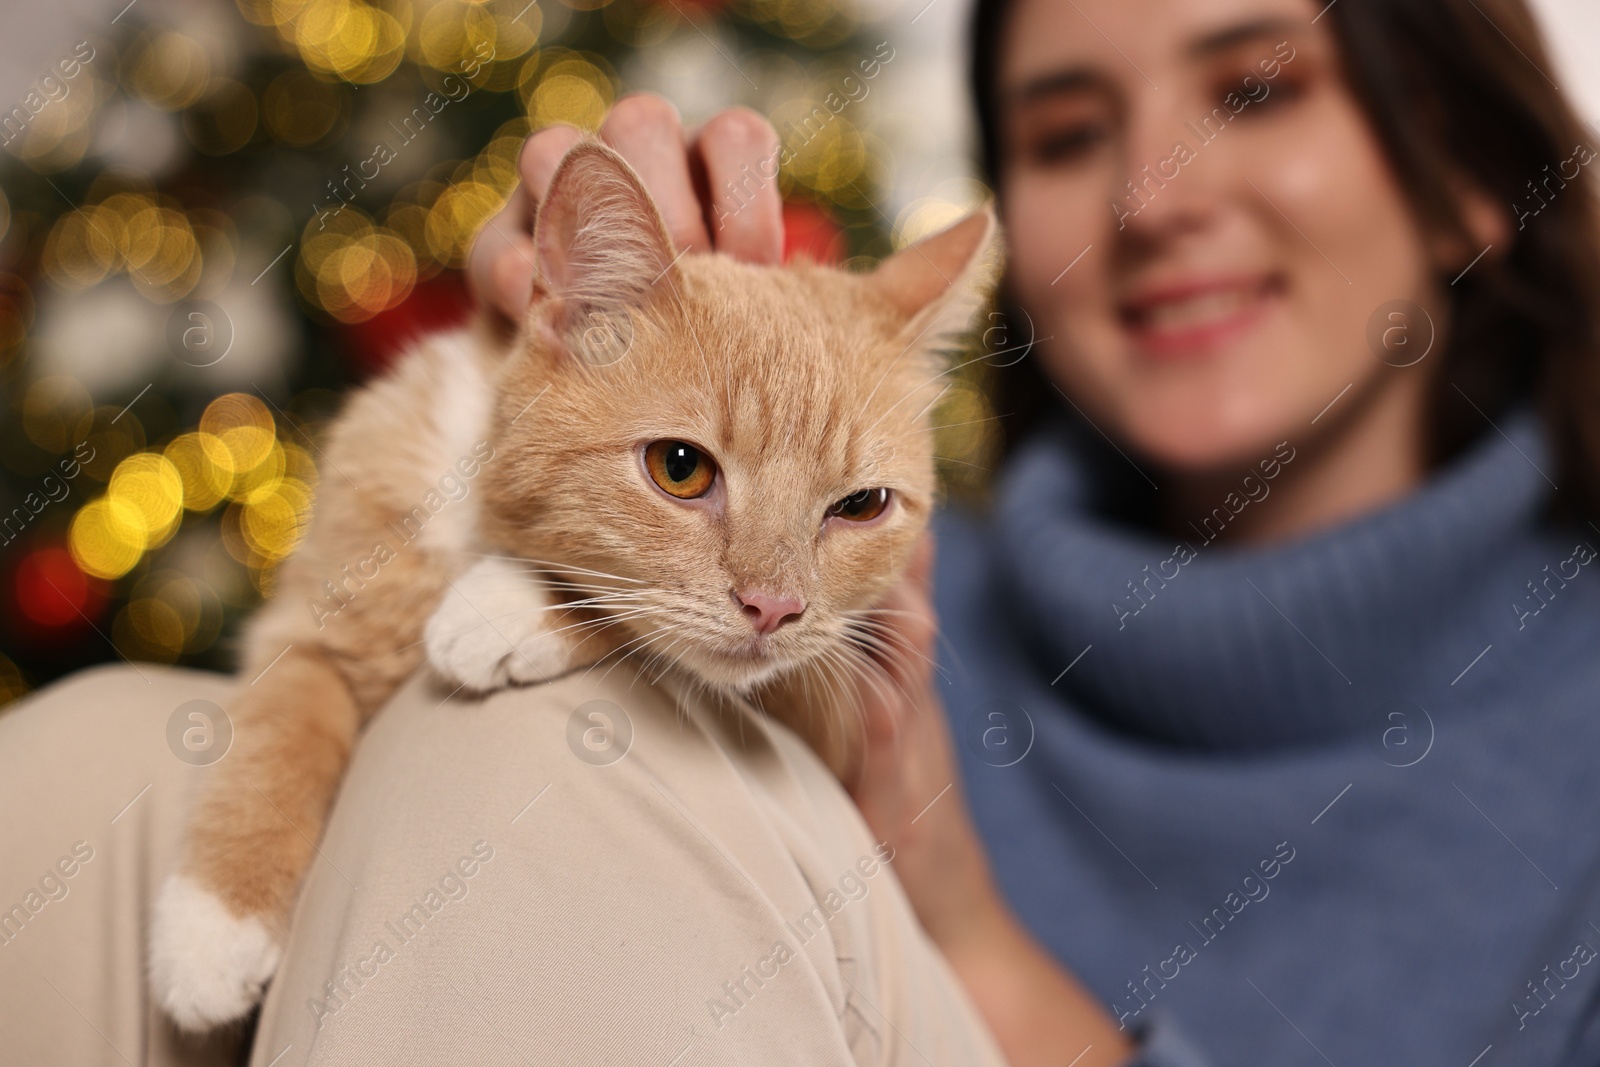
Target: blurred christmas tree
232	214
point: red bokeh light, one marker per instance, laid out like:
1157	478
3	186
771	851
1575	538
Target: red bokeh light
809	232
52	592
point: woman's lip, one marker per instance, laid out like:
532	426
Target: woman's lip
1195	318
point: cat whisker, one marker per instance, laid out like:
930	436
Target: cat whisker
640	645
865	626
920	385
602	623
946	426
620	648
599	600
491	621
929	405
557	566
660	655
895	652
844	677
892	363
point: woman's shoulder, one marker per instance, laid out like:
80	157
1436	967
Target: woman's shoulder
662	849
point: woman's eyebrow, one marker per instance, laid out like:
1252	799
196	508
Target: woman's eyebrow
1243	33
1058	83
1079	79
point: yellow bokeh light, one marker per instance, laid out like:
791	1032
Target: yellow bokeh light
250	447
167	69
206	467
299	465
146	490
301	110
243	427
456	218
948	201
349	40
58	136
57	412
560	85
156	624
273	522
105	541
816	23
496	165
83	247
153	242
827	152
193	603
363	277
262	478
353	269
12	685
235	409
454	34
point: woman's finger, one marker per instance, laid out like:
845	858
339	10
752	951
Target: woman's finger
646	131
738	150
500	266
542	153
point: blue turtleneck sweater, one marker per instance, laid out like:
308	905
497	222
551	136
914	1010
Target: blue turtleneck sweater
1331	801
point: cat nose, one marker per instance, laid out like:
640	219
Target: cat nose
765	612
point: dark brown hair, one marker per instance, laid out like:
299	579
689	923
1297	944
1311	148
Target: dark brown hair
1458	92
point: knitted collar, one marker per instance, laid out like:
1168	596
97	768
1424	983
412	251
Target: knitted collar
1206	645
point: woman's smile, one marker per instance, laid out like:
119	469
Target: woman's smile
1196	316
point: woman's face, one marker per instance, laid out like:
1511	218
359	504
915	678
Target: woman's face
1220	302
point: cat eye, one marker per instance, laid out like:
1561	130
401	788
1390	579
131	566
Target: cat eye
861	507
680	469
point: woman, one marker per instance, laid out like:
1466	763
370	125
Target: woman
1265	673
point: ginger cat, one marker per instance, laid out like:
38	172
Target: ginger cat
713	466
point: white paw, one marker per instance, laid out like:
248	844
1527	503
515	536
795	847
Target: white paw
207	965
493	628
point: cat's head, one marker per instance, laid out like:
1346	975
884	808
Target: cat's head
736	460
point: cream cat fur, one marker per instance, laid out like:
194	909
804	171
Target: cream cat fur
509	509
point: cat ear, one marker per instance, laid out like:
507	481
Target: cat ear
600	245
940	282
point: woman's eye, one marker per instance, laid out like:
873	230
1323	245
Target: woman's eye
1254	96
680	469
861	507
1065	145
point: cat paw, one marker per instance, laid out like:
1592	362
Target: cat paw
207	965
492	629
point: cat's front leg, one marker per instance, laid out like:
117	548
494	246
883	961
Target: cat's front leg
497	626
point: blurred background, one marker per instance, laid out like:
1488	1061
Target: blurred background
217	216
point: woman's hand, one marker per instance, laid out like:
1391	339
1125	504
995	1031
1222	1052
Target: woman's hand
707	184
910	792
907	787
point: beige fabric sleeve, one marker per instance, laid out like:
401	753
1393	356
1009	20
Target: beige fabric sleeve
88	785
584	872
